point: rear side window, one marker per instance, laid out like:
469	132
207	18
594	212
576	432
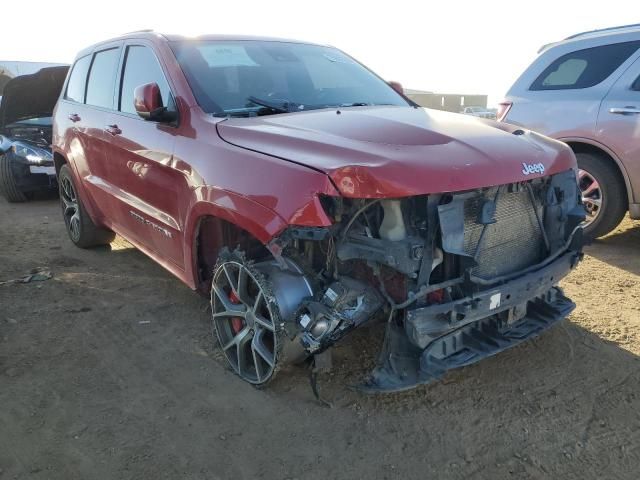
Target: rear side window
101	78
584	68
77	80
142	67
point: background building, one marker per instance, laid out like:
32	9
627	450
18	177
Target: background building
451	102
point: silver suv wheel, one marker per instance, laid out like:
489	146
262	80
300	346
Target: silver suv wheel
603	192
592	197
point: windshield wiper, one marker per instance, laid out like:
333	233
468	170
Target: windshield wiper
256	111
279	107
266	107
362	104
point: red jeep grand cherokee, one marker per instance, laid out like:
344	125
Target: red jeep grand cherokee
311	197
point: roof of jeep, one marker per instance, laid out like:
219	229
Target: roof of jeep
175	38
160	37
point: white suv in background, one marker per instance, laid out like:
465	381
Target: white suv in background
585	91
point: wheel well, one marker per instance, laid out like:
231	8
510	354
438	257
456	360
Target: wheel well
212	234
579	147
58	161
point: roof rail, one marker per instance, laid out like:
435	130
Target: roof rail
610	29
144	30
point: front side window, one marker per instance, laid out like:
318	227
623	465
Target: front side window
141	67
77	80
242	77
101	78
584	68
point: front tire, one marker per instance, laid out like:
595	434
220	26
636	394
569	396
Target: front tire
8	185
81	229
603	192
246	319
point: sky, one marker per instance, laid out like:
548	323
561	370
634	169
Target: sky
450	46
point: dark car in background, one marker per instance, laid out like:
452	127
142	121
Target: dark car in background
26	162
10	69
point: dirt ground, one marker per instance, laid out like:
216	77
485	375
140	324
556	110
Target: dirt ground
108	371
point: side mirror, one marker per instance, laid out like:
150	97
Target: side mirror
397	86
147	101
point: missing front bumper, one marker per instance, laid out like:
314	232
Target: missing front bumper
440	338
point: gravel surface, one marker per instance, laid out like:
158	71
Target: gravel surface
108	371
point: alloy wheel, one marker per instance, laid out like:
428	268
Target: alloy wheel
592	197
244	322
70	209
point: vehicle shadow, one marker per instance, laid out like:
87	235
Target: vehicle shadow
44	196
621	248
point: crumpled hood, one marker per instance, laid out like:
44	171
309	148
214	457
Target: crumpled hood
31	96
372	152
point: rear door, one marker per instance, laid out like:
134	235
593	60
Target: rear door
619	122
99	101
81	116
140	158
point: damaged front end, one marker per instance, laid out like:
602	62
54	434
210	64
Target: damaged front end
458	276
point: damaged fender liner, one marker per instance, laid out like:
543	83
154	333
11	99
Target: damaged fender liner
405	364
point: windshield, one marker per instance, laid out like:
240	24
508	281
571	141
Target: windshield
258	77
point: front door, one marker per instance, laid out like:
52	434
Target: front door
140	156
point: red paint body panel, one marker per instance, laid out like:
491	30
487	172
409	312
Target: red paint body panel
153	183
372	152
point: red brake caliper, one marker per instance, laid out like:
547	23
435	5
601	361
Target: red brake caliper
237	323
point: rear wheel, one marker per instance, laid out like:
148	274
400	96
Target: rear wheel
603	194
81	229
8	185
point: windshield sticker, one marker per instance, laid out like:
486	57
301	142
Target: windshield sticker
226	56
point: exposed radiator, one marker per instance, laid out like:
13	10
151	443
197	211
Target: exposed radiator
513	242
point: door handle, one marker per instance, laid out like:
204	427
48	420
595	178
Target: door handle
113	129
74	117
629	109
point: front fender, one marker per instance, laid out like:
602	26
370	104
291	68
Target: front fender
631	193
258	220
